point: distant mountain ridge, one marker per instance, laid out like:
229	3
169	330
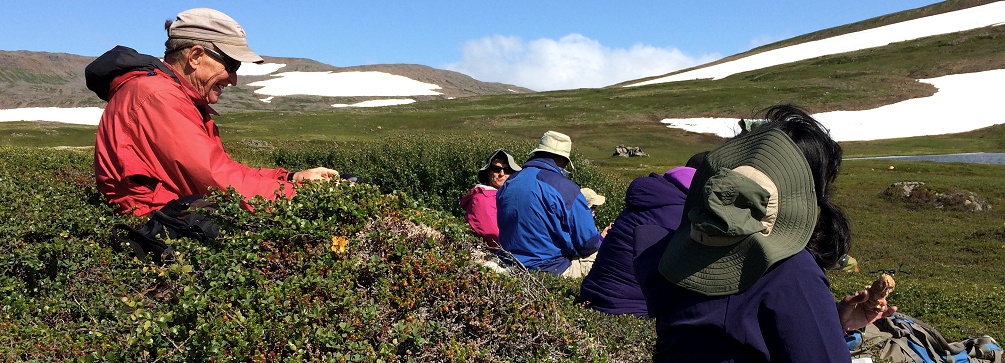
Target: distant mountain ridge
43	79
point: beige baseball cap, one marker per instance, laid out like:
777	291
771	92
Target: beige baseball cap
556	143
213	26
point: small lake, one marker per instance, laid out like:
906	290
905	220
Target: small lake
977	158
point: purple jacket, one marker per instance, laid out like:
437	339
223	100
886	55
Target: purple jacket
657	199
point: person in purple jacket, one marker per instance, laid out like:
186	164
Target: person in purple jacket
742	278
657	199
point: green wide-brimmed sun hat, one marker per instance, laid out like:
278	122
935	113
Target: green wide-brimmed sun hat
751	204
483	175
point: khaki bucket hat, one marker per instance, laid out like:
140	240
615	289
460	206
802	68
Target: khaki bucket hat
213	26
592	198
751	204
557	143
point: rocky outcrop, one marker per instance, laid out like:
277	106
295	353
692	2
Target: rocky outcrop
628	151
920	194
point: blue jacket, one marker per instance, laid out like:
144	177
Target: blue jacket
543	218
657	199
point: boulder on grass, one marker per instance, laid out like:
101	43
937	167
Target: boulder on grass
628	151
920	194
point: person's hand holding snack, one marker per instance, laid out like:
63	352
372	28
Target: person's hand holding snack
866	306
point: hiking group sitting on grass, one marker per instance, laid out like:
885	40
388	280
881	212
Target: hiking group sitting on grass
726	253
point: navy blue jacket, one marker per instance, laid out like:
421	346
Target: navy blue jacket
544	220
788	315
610	287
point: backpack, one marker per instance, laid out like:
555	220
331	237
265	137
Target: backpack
120	60
178	218
901	338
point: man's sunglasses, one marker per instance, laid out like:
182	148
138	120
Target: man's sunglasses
230	64
497	168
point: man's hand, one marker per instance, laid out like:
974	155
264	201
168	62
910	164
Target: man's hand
318	173
855	312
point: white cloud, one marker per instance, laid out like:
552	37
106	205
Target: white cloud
574	61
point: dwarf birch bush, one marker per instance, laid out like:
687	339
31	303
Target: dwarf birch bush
340	272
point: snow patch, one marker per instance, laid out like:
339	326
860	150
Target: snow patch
343	84
964	102
76	115
252	69
376	103
972	18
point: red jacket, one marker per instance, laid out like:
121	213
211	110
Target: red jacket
154	145
480	208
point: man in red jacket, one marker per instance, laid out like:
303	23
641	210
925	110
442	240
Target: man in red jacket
157	140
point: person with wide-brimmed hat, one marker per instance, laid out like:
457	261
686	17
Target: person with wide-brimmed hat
544	219
157	140
742	279
480	203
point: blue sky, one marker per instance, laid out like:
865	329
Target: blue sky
541	45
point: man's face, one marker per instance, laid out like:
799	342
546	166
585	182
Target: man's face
212	75
498	173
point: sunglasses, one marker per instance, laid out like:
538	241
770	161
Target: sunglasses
230	64
497	168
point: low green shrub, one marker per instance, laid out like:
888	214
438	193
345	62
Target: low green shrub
435	171
370	273
340	272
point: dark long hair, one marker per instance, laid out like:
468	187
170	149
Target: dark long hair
831	237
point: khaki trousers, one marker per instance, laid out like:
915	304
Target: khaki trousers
580	267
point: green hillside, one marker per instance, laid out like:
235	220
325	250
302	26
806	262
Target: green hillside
599	119
934	9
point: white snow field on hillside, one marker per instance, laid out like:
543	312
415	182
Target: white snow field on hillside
331	84
377	103
963	102
75	115
252	69
976	17
343	84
